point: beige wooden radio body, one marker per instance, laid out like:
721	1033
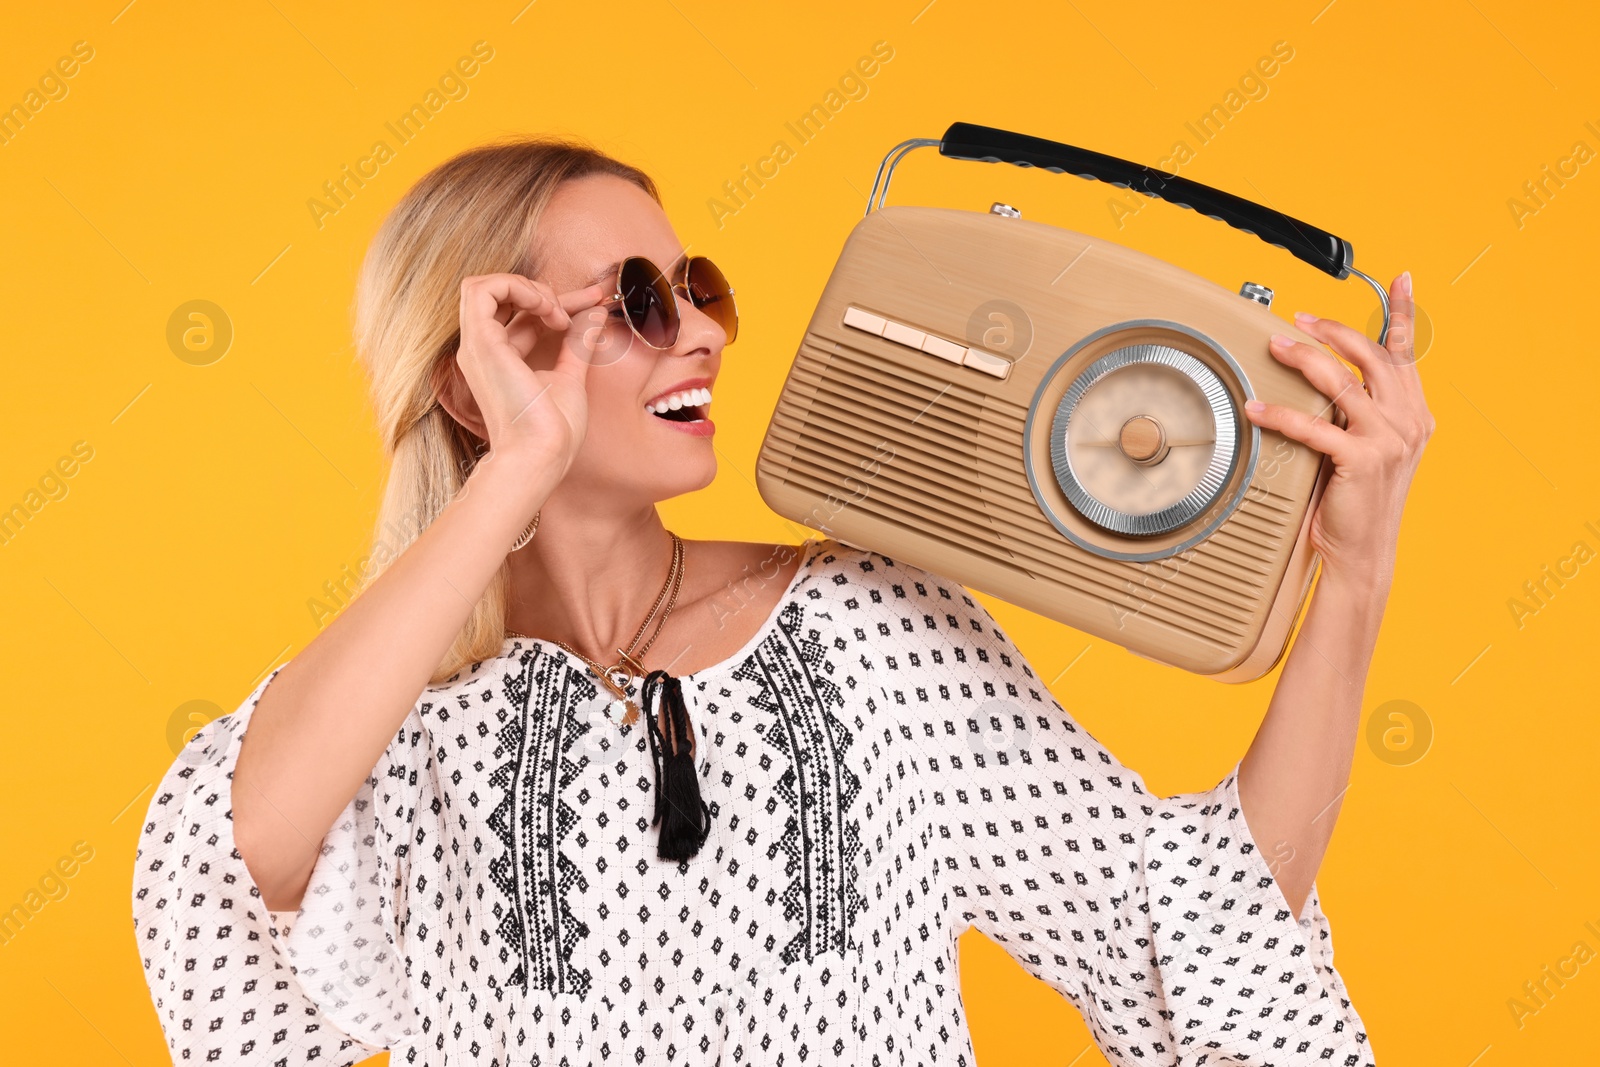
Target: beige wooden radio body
898	449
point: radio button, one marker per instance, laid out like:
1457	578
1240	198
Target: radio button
938	346
987	362
864	320
900	333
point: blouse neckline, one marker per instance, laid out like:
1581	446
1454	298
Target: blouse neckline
807	549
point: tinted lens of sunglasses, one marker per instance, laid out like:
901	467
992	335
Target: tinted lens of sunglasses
709	292
648	302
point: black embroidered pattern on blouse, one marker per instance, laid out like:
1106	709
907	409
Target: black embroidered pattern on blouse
821	839
534	817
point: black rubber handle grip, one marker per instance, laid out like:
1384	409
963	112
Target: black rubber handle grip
1329	254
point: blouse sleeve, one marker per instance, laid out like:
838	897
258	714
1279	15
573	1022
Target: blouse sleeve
1159	918
228	984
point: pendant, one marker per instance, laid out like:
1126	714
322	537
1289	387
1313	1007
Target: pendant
621	712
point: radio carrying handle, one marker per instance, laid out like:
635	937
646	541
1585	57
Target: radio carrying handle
984	144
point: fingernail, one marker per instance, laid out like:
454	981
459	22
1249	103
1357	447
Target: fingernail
1282	340
1254	405
1301	316
1405	283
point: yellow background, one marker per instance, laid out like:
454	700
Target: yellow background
179	563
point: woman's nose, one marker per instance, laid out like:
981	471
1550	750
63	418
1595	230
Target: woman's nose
704	328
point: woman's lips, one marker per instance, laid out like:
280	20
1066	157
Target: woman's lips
699	428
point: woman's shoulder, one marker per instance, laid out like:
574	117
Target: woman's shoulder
848	571
895	606
476	674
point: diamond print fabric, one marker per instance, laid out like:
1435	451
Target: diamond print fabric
884	769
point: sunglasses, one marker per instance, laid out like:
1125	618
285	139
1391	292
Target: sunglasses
649	303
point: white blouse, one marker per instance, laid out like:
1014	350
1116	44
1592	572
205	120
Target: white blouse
883	770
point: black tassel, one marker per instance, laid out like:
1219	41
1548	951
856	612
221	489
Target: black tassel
684	818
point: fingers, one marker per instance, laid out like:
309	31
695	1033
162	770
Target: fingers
1377	367
1330	378
1412	420
576	354
1299	426
587	331
571	302
507	298
524	309
503	296
1402	341
1390	369
1386	411
587	297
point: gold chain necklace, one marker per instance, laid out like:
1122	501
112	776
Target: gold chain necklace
619	677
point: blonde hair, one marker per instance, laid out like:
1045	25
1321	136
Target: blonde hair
477	213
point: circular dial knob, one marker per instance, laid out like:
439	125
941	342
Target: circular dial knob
1144	439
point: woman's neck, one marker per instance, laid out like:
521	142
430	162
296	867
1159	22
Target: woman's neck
589	579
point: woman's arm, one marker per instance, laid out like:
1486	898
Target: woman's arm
319	729
1293	778
323	723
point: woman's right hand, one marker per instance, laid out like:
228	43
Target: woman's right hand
535	407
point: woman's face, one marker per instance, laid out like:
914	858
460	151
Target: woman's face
590	224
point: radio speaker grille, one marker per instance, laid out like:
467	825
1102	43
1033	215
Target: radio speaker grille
892	460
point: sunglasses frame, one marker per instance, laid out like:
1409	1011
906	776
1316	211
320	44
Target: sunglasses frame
674	287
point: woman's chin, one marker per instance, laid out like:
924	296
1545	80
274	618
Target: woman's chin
688	477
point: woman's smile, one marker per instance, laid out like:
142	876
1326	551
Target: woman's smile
685	407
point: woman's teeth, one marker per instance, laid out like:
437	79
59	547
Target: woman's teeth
685	406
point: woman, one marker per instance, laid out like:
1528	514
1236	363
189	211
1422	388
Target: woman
452	831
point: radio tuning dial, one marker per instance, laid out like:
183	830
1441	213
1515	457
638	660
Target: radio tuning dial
1144	440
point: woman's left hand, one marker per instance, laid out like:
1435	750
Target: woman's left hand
1356	526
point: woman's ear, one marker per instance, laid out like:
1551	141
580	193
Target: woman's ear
455	396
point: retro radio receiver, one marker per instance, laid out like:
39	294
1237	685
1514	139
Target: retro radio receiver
1057	420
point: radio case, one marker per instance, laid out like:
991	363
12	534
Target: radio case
995	399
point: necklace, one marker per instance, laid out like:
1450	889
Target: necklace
681	812
619	677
